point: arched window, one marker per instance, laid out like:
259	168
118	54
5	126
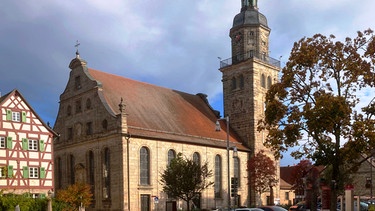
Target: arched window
218	176
269	82
106	173
234	83
236	169
144	166
171	155
263	81
242	81
197	158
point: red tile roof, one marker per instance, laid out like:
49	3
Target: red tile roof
162	113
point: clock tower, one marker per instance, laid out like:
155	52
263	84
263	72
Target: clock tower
247	75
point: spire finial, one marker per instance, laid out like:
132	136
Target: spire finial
249	4
76	46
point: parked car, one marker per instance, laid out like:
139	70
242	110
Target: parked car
272	208
248	209
300	206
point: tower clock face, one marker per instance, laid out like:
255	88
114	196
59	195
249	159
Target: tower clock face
237	38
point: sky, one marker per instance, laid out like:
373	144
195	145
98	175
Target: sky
169	43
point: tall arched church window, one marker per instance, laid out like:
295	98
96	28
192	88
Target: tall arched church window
106	173
197	158
218	177
236	169
234	83
171	156
269	82
144	169
263	81
242	81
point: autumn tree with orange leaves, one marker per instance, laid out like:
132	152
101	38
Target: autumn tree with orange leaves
75	195
262	172
315	103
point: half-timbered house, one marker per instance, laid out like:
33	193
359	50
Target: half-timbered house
25	148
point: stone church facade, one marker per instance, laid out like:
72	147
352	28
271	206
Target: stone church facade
118	134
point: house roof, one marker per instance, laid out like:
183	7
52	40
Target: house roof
286	174
15	92
162	113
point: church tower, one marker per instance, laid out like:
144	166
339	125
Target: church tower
248	74
246	77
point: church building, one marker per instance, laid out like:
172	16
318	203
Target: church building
119	134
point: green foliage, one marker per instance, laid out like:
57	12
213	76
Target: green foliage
185	179
9	201
74	195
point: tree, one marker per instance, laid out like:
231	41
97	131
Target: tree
298	173
313	104
262	172
76	195
185	179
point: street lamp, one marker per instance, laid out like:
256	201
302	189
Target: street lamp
235	154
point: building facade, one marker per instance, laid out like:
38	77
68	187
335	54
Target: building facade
246	77
118	134
26	155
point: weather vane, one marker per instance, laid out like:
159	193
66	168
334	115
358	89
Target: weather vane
77	44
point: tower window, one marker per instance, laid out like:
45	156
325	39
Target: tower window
234	83
263	81
269	82
242	81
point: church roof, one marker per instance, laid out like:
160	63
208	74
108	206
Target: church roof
163	113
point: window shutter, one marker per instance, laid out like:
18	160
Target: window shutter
9	115
25	144
10	172
25	172
41	145
42	173
23	116
9	142
42	196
